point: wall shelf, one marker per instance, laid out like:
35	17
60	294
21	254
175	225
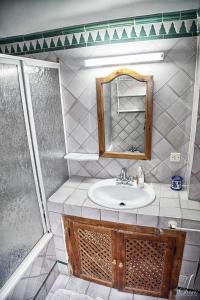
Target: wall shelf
130	110
82	156
138	95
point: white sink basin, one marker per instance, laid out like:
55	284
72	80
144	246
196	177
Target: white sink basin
110	194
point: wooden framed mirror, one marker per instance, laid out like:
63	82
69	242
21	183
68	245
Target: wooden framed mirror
124	108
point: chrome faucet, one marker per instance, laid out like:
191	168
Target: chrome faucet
123	178
123	174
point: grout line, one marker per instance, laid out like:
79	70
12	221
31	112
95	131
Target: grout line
44	282
87	288
62	262
35	276
109	293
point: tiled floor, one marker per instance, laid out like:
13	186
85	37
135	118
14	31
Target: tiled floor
92	289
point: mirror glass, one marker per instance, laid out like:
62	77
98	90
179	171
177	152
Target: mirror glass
124	114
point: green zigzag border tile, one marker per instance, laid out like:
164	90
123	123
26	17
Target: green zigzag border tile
109	32
154	18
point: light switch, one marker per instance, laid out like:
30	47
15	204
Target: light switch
175	156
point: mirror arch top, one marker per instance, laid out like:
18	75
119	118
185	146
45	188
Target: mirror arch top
127	72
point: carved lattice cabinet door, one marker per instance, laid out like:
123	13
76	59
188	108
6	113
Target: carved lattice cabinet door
91	252
146	262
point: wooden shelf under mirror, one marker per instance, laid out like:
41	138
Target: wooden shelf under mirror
130	258
81	156
127	122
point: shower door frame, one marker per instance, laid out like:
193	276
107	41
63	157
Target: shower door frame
16	62
37	63
25	93
26	62
22	63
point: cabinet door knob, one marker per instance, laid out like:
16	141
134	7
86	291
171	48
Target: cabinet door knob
120	265
114	262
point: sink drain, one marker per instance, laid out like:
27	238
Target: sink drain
122	204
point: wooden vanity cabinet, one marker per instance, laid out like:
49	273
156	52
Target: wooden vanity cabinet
90	251
136	259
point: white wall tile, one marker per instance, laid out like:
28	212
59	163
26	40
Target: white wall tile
91	210
109	215
33	285
189	204
188	268
150	210
191	252
59	243
171	80
173	212
63	269
163	222
166	192
56	223
60	283
191	214
169	202
61	255
56	201
74	203
73	181
50	281
20	289
128	217
87	182
145	220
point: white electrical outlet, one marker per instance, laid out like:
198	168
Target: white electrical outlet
175	156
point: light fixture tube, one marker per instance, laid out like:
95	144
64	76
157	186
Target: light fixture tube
118	60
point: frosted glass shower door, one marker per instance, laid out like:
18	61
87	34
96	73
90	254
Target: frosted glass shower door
21	225
44	101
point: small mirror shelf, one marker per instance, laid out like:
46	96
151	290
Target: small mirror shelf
124	103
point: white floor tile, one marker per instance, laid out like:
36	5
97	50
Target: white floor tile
143	297
77	285
96	290
60	283
117	295
49	296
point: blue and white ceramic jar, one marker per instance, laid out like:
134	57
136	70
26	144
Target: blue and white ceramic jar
176	183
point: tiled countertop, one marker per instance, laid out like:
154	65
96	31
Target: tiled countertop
72	199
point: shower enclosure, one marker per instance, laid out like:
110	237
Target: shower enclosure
32	149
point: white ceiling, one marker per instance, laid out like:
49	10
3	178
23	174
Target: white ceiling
26	16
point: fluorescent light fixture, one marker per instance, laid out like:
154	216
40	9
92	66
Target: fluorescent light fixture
122	60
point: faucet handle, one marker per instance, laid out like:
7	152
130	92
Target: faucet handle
123	178
119	179
123	170
130	178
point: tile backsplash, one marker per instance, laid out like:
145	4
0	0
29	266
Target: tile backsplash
172	105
